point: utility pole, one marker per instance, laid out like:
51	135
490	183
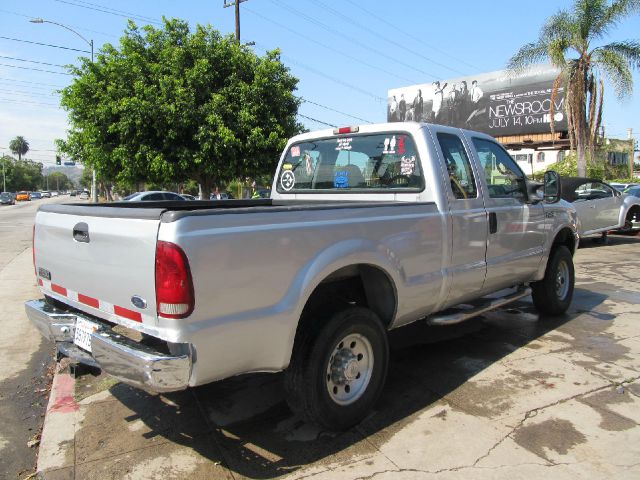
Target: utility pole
632	153
4	177
236	4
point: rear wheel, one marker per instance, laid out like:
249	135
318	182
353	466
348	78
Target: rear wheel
552	295
337	372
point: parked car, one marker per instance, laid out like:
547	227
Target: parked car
84	195
391	224
153	196
600	207
46	194
73	193
635	191
6	198
23	196
622	186
36	195
223	196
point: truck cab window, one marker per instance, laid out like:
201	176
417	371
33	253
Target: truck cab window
504	177
360	163
461	178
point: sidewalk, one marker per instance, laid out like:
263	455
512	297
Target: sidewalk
520	398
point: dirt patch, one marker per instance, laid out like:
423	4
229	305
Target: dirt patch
553	434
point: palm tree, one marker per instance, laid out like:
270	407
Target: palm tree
19	146
575	31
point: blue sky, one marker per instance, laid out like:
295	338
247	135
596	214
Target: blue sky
346	53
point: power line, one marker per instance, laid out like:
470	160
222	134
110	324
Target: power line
34	69
329	77
413	37
36	85
19	92
151	19
328	47
349	38
27	102
31	17
103	10
318	121
43	44
334	110
32	61
404	47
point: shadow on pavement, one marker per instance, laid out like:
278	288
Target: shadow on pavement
244	421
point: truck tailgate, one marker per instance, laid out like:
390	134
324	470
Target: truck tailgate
99	264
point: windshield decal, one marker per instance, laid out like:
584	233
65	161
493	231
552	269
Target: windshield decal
390	145
341	179
408	165
295	151
344	143
287	180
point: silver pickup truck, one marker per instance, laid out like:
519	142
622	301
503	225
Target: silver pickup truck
367	229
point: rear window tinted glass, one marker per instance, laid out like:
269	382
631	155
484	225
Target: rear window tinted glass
380	162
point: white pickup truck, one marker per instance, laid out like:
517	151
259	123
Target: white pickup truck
367	229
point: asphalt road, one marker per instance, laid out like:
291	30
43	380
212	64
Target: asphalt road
25	369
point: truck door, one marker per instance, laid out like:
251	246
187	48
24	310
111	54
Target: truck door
468	228
516	228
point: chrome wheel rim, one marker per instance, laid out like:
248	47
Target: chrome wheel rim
562	280
349	369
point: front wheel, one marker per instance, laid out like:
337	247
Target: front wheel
552	295
337	372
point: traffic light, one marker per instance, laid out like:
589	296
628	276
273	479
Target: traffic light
58	160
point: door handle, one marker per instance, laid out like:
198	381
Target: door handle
493	222
81	232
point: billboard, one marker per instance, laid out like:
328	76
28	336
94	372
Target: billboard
498	103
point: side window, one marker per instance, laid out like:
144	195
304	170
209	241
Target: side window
504	177
463	184
153	196
593	191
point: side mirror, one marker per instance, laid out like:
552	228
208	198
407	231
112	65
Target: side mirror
534	191
552	189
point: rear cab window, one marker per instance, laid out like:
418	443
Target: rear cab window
352	163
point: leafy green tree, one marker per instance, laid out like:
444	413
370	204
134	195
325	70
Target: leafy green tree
19	146
22	174
59	181
568	40
170	105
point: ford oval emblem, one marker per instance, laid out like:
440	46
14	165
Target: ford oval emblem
138	301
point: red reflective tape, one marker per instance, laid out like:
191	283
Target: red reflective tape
58	289
40	282
126	313
92	302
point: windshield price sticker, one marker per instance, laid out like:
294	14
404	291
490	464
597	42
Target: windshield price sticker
287	180
295	151
84	329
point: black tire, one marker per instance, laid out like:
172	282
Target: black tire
552	295
308	383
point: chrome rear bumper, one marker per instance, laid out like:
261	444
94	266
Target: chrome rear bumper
129	361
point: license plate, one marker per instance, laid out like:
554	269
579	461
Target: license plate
84	329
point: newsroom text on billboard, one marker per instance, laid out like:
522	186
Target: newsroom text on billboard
498	103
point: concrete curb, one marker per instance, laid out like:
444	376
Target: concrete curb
57	444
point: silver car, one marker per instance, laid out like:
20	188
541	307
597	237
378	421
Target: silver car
600	207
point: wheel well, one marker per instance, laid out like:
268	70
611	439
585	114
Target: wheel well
362	285
635	212
566	237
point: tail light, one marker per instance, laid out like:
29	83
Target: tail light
174	285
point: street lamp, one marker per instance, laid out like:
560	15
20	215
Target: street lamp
94	191
4	177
